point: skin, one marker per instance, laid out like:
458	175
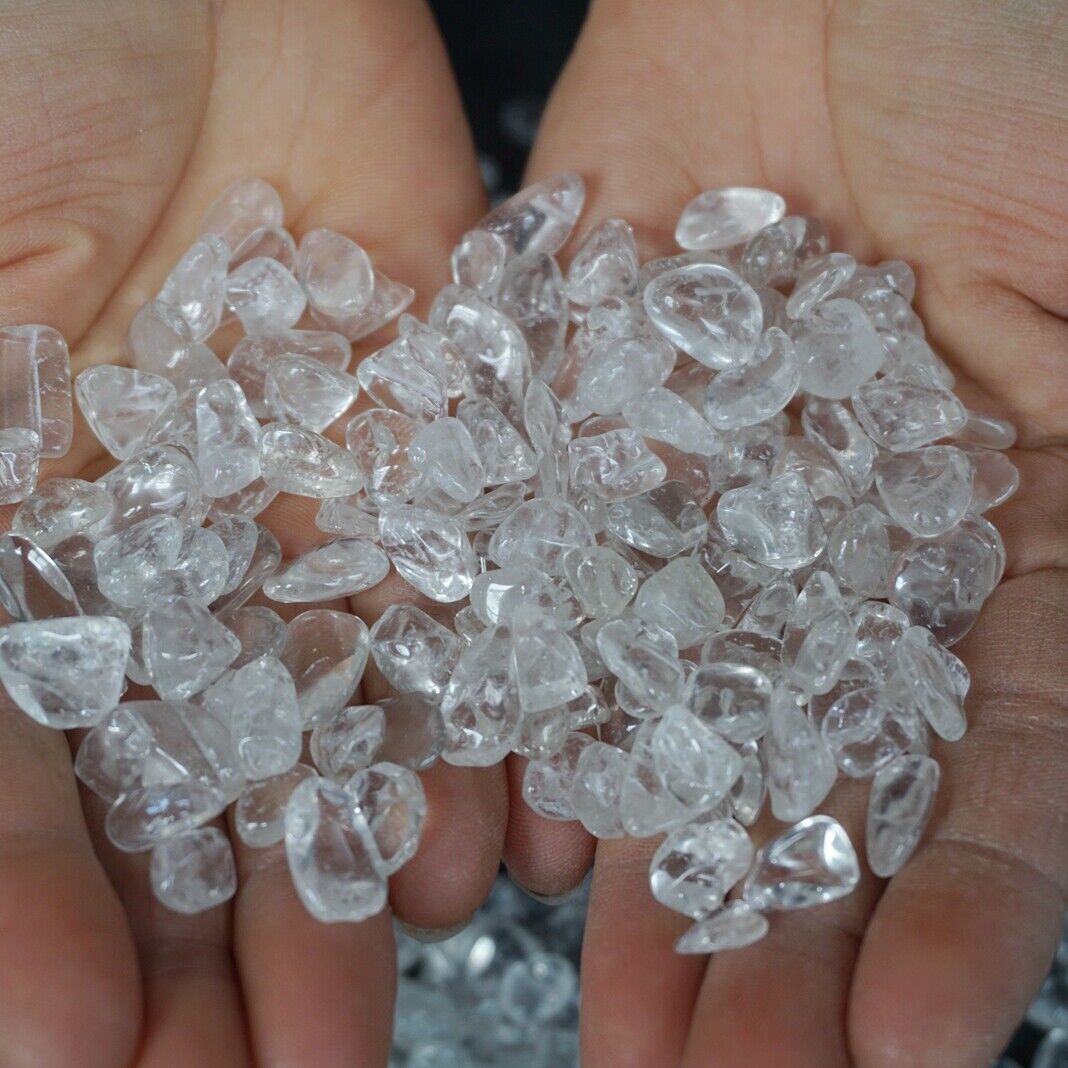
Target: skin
931	133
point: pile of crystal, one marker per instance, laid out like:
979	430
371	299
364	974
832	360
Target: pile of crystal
691	536
503	993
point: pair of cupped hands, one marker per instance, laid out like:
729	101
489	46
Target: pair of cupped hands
934	133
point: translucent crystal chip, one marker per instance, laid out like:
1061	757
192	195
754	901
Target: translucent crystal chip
445	454
196	285
995	478
779	252
620	369
185	648
693	761
602	580
61	508
228	439
20	455
195	872
531	294
905	410
604	265
596	787
734	699
414	652
326	653
818	638
818	280
348	741
414	736
339	568
295	460
121	404
695	866
838	349
264	295
644	658
858	549
663	522
800	767
504	455
830	425
393	802
928	491
148	815
664	416
930	678
335	272
614	465
259	814
899	806
682	599
261	631
549	671
478	261
538	534
547	784
869	726
720	218
540	217
430	551
36	361
757	391
407	377
130	564
306	392
242	207
734	926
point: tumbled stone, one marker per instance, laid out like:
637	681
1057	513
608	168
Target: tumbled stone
931	677
196	286
478	262
121	404
430	551
445	454
242	207
693	761
228	439
695	866
682	599
393	802
531	294
259	814
602	580
36	371
614	465
547	784
644	658
800	768
339	568
147	815
858	549
325	653
663	522
185	648
899	806
818	637
906	410
20	455
540	217
927	491
819	279
348	741
260	630
295	460
549	670
61	508
335	272
732	698
604	265
389	299
414	652
830	425
755	392
304	391
838	349
407	377
264	295
732	927
504	455
596	787
195	872
620	369
780	251
414	731
130	565
867	727
720	218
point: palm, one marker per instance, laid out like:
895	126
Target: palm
121	124
929	136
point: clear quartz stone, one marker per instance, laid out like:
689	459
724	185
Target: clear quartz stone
604	265
414	735
818	638
596	788
732	698
184	647
242	207
800	767
478	262
260	630
858	549
326	653
335	272
776	523
504	455
708	311
274	242
695	866
266	556
348	741
757	391
121	404
228	439
264	295
928	491
899	806
614	465
646	805
339	568
779	252
295	460
331	853
196	286
539	533
259	814
65	673
531	294
195	872
693	761
549	671
393	802
995	478
389	299
61	508
306	392
540	217
838	349
379	440
644	658
987	431
408	377
621	369
811	863
867	727
749	790
682	599
906	410
20	455
130	564
663	522
720	218
445	454
601	579
929	675
32	585
831	426
547	784
36	382
430	551
665	416
734	926
819	279
414	652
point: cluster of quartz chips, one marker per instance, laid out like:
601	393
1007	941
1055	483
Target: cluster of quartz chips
692	535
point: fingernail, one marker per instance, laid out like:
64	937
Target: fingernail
552	899
432	934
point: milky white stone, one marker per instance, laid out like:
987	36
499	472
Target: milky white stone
241	208
541	216
295	460
61	508
121	404
259	814
720	218
325	653
331	851
905	410
707	311
695	866
339	568
811	863
837	347
478	261
335	272
604	265
899	806
734	926
195	872
185	648
196	286
306	392
65	672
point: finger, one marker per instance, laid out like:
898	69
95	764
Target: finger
316	993
783	1000
965	933
68	973
545	857
637	992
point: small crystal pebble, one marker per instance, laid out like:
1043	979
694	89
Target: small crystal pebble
445	454
720	218
540	217
682	599
695	866
605	265
838	349
264	296
811	863
392	800
20	455
899	806
756	392
734	926
36	383
414	652
335	272
928	491
241	208
819	279
32	586
130	565
340	568
478	262
295	460
259	814
306	392
326	653
61	508
195	872
121	404
349	741
430	551
196	287
228	439
185	647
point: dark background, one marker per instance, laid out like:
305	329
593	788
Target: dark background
507	54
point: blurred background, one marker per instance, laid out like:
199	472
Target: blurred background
505	990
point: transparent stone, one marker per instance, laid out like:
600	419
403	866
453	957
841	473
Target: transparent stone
248	502
928	491
274	242
430	551
65	673
708	311
389	299
407	377
757	391
776	523
695	866
61	508
663	522
941	583
433	348
201	569
147	815
621	369
987	431
32	584
539	989
266	556
811	863
379	440
596	787
393	802
694	762
647	806
480	707
335	272
644	658
878	627
228	439
339	568
604	265
445	454
35	386
531	294
20	455
932	679
161	342
732	927
732	698
504	455
121	404
549	670
614	465
830	425
664	416
331	854
541	216
259	814
295	460
241	208
858	549
353	516
749	790
768	611
818	637
185	648
238	535
800	767
907	409
682	599
177	423
261	632
601	579
414	652
264	295
720	218
737	577
306	392
899	806
414	731
995	478
539	534
478	262
196	285
130	565
547	783
819	279
778	253
348	741
195	872
869	726
838	349
495	351
326	653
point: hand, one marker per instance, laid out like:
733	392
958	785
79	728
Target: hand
120	125
933	134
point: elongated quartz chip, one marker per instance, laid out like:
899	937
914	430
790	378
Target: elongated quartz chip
335	272
720	218
540	217
429	550
445	454
326	653
812	863
264	295
695	866
899	806
228	439
393	802
61	508
194	872
295	460
259	814
121	404
734	926
36	387
196	286
478	262
348	741
596	788
241	208
340	568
